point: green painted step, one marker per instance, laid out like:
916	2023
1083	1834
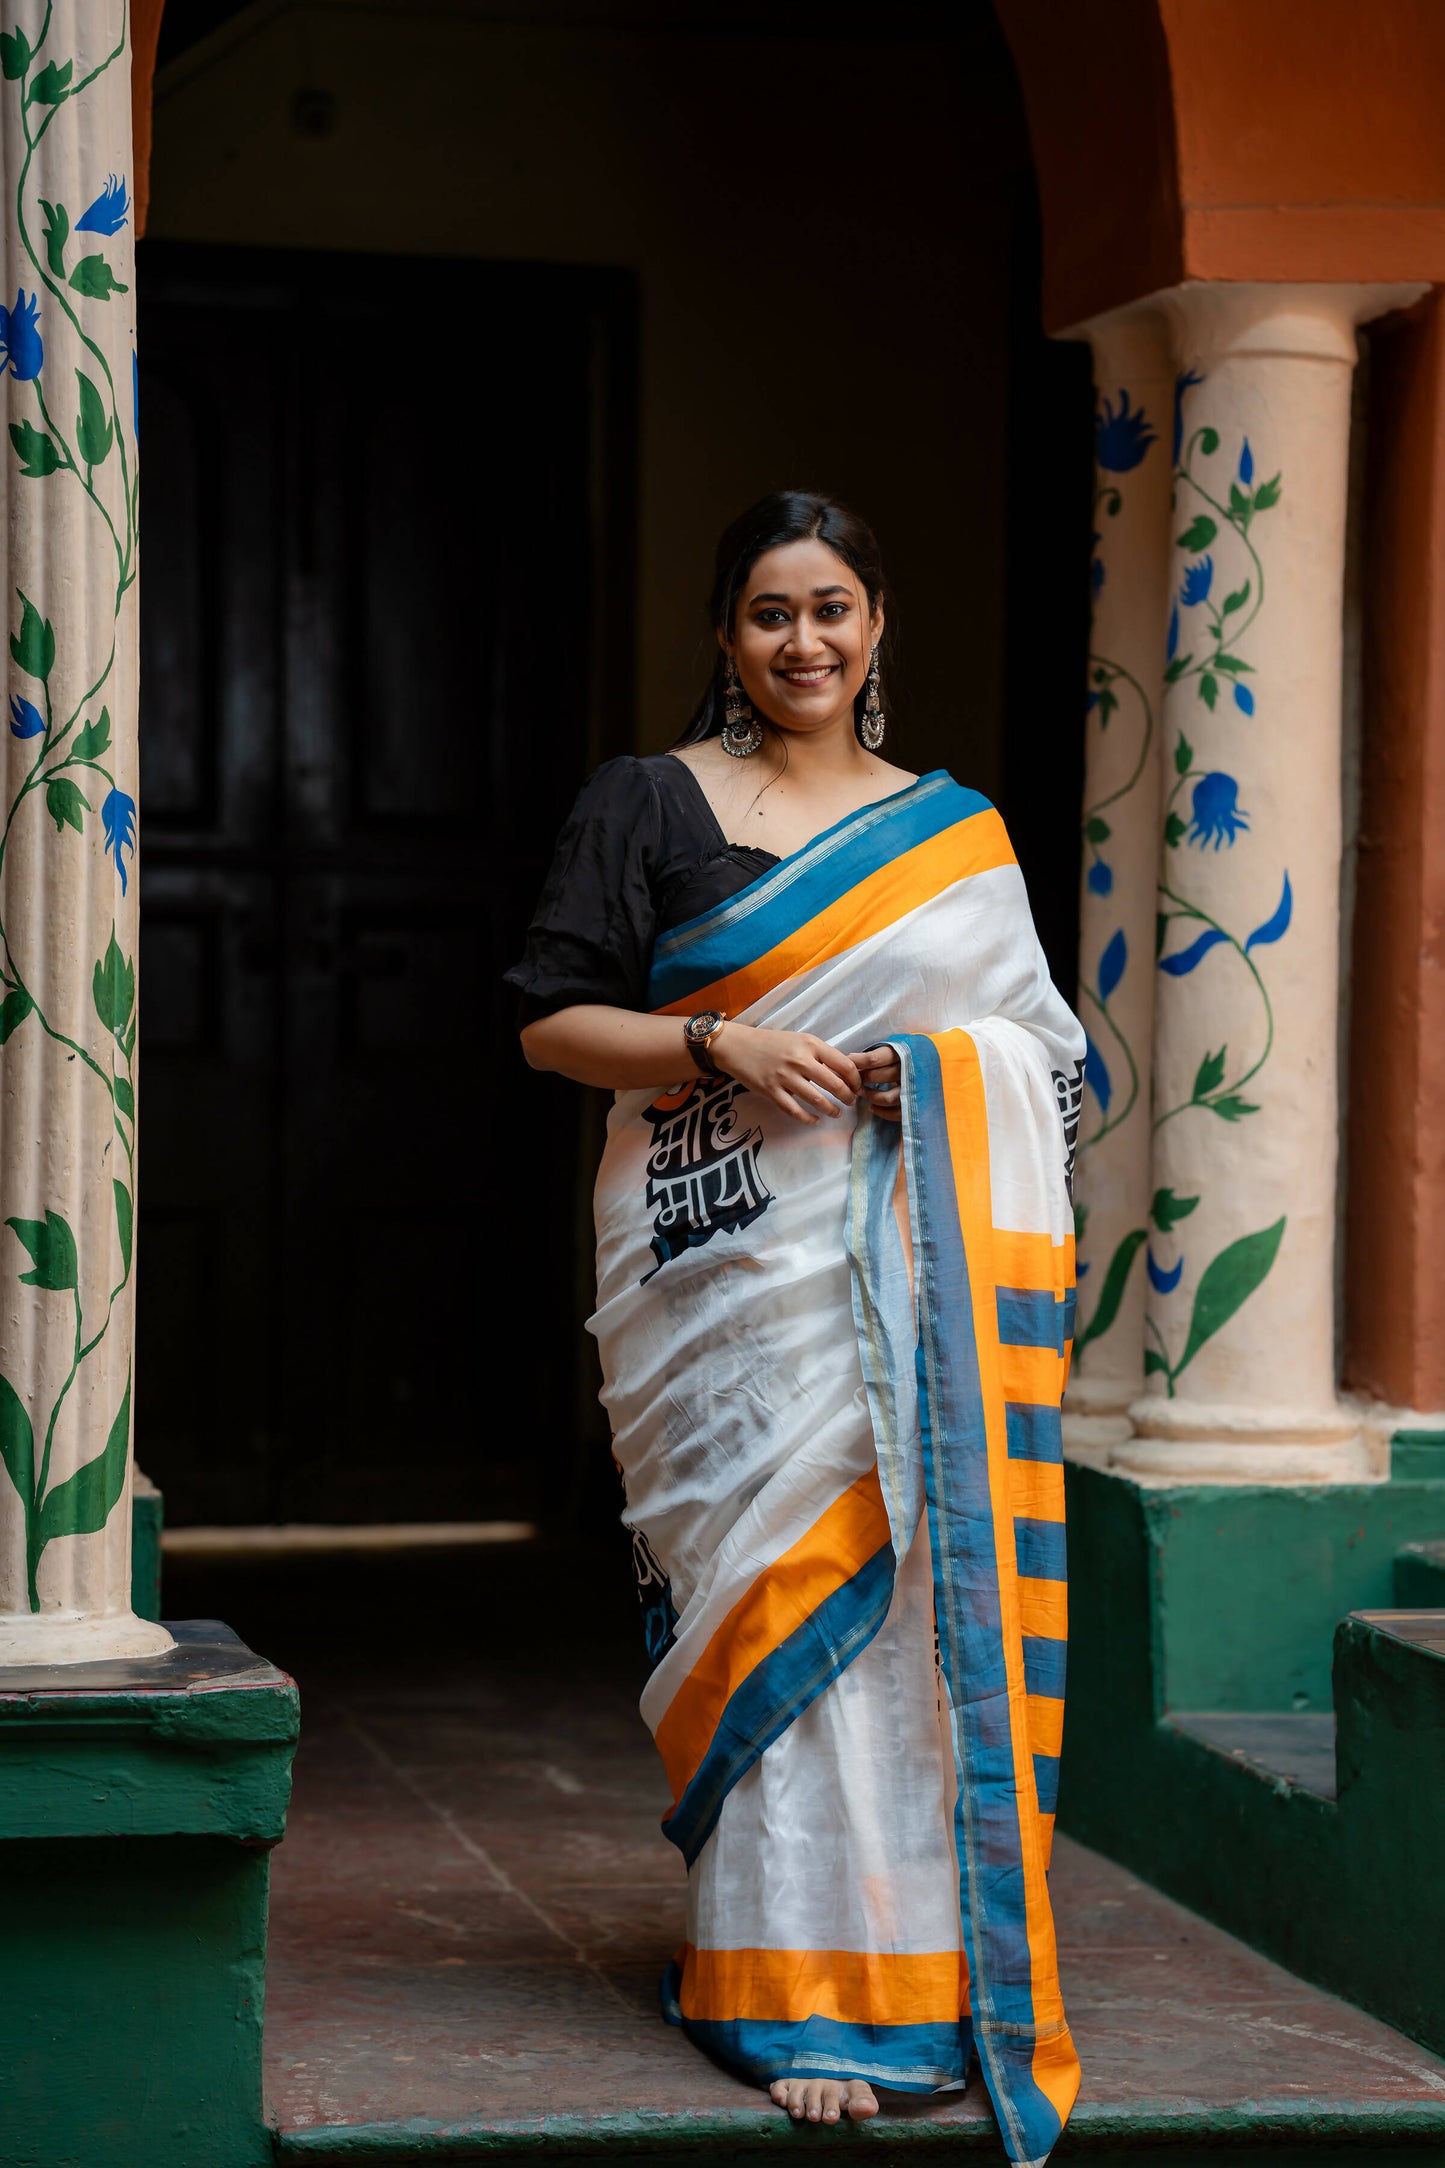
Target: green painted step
1149	2134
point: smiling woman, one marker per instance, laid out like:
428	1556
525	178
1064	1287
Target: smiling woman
835	1272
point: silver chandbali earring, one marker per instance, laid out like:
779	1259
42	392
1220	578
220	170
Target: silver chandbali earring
742	733
874	722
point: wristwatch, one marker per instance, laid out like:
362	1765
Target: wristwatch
698	1035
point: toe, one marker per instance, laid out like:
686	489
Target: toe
862	2102
830	2103
814	2096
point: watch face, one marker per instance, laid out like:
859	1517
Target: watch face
702	1027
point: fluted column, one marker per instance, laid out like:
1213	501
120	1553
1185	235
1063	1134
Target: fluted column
1129	573
1239	1331
67	847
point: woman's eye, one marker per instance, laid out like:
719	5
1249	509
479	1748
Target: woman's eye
772	617
834	609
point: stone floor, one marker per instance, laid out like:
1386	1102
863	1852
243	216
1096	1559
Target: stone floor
474	1902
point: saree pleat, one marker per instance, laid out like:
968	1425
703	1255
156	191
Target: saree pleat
834	1357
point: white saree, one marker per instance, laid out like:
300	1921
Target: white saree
833	1359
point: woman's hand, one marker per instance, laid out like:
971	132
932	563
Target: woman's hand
878	1069
798	1071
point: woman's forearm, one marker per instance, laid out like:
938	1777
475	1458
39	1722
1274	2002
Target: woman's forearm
614	1048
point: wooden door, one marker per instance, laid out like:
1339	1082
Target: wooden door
385	632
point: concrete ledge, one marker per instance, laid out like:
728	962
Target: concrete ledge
197	1742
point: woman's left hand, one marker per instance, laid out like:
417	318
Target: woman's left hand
878	1067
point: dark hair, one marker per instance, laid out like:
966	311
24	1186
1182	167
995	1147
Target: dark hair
789	515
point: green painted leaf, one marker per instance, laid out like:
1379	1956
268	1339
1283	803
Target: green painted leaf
113	985
1168	1210
35	451
33	647
15	54
1209	442
13	1011
1116	1279
92	739
92	424
51	83
57	233
1081	1221
1233	664
93	277
1174	831
1236	601
1268	493
1097	831
1240	505
51	1247
1177	669
1231	1108
1154	1363
1198	534
124	1096
1211	1073
84	1502
123	1219
1106	706
17	1443
128	1043
1208	689
1227	1283
65	801
1183	756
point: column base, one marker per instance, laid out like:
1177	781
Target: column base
1179	1441
43	1638
1091	1437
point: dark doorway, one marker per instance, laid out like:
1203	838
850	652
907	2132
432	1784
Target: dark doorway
386	626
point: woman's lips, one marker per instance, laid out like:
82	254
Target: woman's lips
808	677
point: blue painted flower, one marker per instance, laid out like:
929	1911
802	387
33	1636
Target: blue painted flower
1101	878
1111	964
1162	1282
1173	644
108	212
26	720
1246	465
1182	384
117	815
1218	816
1243	698
1188	959
1197	582
1096	574
20	342
1121	440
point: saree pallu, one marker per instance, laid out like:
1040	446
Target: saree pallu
833	1359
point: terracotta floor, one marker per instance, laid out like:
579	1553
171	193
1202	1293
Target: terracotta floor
474	1903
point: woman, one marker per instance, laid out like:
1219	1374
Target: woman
835	1270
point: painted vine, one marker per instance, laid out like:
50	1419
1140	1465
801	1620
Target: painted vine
76	430
1207	627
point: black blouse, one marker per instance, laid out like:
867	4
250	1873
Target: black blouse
641	852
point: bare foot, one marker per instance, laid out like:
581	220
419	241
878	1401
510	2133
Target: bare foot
822	2100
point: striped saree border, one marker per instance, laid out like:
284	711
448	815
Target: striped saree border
916	2057
856	879
987	1611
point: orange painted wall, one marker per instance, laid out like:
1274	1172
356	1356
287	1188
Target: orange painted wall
1395	1320
145	30
1231	139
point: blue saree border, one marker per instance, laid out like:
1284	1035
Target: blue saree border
749	924
904	2058
778	1690
987	1834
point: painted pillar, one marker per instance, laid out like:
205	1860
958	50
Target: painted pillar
1239	1327
67	843
1133	381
